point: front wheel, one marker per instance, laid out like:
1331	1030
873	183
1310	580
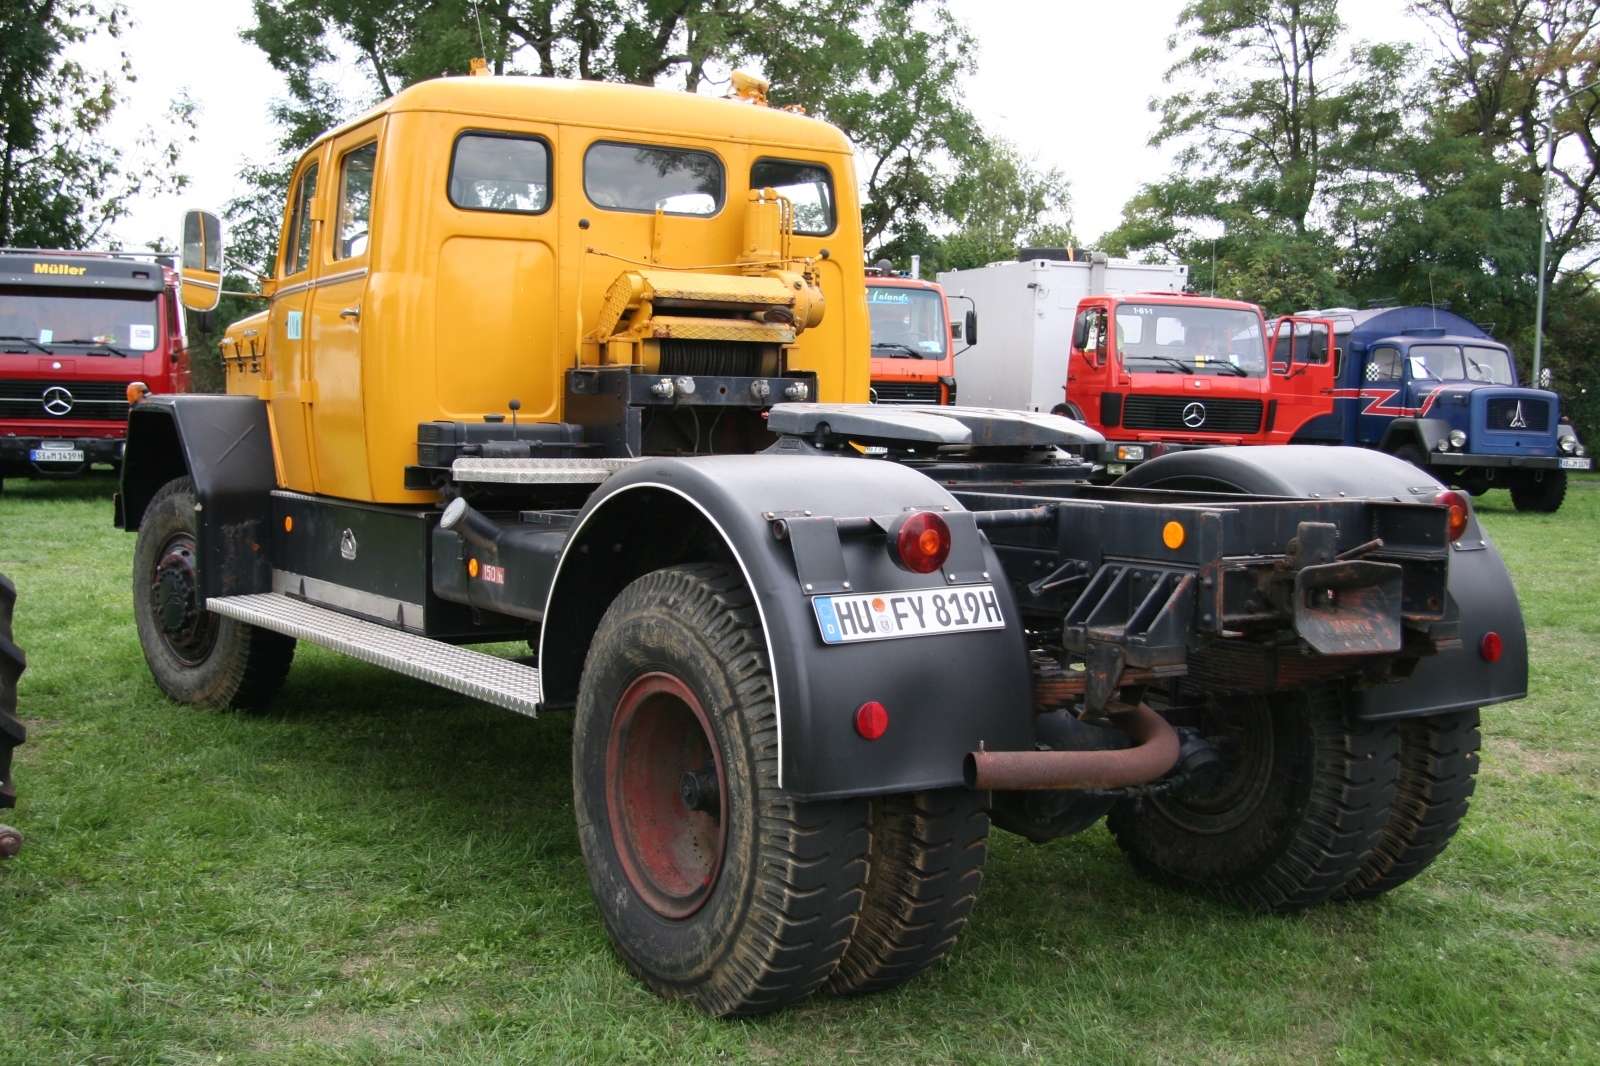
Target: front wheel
195	656
1302	801
1540	491
715	884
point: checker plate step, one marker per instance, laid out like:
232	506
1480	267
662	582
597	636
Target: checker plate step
487	677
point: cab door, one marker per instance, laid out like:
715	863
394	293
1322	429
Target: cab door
1300	404
1087	375
337	420
292	388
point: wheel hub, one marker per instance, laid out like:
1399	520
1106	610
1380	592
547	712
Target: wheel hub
1245	736
666	795
185	626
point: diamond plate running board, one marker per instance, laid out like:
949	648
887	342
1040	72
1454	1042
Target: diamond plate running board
472	673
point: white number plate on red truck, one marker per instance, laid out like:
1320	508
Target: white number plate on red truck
1575	464
845	619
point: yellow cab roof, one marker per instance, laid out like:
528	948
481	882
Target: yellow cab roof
612	106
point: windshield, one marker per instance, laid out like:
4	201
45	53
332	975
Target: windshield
1175	338
907	323
1446	362
94	323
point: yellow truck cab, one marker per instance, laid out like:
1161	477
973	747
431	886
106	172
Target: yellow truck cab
584	366
470	240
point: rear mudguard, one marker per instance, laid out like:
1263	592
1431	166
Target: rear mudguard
1454	679
946	694
224	444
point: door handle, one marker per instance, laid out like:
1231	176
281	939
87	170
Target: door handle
351	312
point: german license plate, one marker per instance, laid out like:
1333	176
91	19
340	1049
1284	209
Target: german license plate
915	613
1575	464
56	455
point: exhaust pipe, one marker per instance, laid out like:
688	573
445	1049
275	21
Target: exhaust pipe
1155	751
477	528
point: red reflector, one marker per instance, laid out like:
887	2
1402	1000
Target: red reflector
922	542
1490	647
872	721
1458	511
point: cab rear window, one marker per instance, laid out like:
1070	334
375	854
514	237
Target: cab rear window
640	177
809	186
492	171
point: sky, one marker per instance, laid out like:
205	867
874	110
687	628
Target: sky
1068	81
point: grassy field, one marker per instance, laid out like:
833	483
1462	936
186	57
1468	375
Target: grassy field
375	871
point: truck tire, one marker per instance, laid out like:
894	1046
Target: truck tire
1413	454
715	884
12	733
1438	761
926	864
196	657
1540	495
1302	802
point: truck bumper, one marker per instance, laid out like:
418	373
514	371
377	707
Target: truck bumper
1462	460
23	456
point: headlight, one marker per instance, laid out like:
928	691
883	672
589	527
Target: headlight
1458	438
1133	453
1444	444
1582	450
1568	444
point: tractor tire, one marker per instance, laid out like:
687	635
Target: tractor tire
1438	761
715	884
12	731
1540	494
196	657
926	864
1301	803
1413	454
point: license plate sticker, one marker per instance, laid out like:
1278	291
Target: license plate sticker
55	455
914	613
1575	464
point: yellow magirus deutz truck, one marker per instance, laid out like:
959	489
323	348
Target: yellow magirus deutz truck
584	364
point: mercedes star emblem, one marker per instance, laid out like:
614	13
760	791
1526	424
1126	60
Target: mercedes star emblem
57	401
1194	416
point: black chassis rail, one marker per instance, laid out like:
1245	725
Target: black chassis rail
1150	580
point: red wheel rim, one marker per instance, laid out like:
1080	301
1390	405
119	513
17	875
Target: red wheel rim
671	854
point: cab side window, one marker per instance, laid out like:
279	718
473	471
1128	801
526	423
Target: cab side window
1385	365
355	200
646	178
500	172
1089	334
297	256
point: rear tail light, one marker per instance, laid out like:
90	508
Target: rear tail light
1490	647
1459	511
921	541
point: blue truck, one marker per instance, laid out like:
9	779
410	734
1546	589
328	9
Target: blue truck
1435	389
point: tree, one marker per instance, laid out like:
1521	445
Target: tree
61	186
1286	135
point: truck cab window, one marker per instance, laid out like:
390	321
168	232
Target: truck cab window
1385	365
809	186
500	172
1436	362
355	200
297	256
1487	364
906	323
637	177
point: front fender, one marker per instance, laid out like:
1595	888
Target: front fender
946	694
1454	679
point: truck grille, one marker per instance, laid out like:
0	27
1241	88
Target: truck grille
95	401
1187	414
1502	414
923	392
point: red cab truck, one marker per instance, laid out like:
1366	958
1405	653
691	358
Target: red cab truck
77	329
913	339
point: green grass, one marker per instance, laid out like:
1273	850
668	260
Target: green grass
375	871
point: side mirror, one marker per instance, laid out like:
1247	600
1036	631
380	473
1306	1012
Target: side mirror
202	261
972	327
1080	331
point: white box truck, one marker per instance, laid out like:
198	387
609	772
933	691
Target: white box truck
1020	359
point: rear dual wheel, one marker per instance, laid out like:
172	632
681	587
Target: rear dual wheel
715	884
1310	806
